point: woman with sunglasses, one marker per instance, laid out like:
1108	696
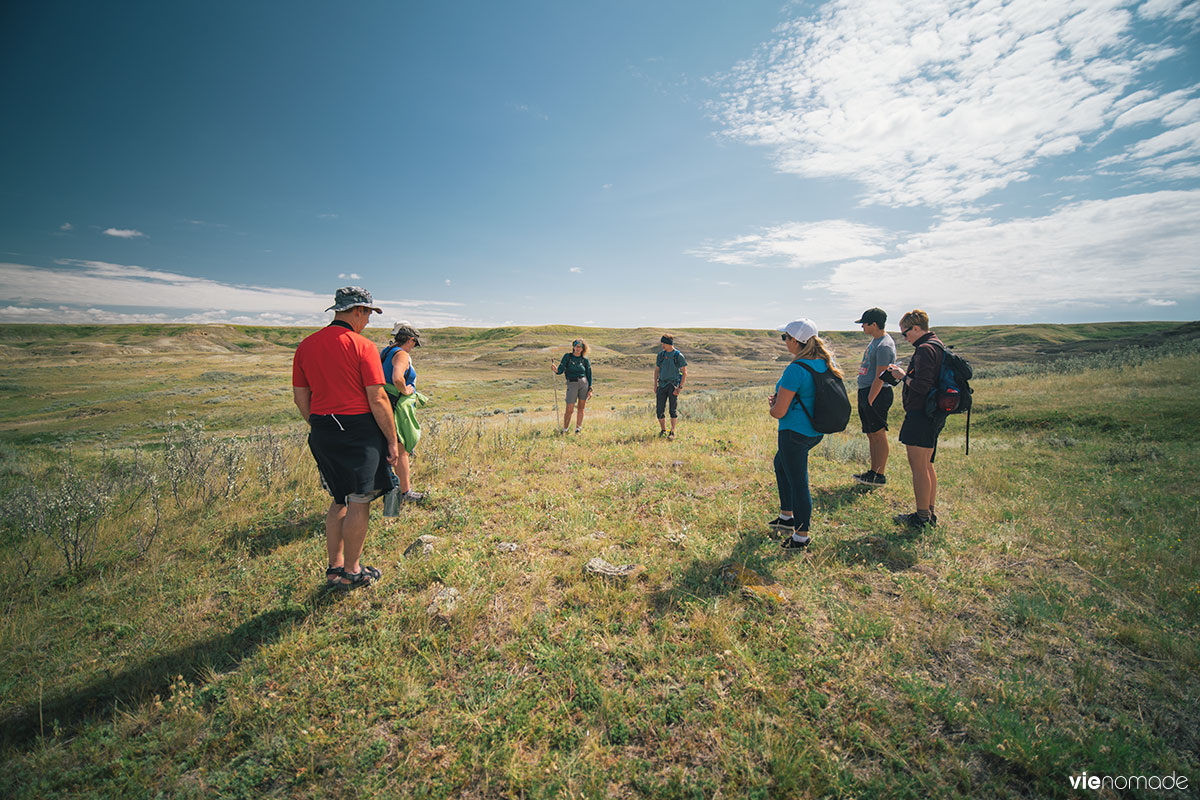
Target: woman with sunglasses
578	372
791	404
920	431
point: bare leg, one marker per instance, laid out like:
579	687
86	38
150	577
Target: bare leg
923	477
579	414
932	486
354	533
878	442
567	416
403	472
334	518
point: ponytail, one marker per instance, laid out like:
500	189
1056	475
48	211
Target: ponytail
816	348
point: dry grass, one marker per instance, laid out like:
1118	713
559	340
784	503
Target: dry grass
992	656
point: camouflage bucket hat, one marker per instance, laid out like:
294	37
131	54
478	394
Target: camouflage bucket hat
350	296
403	331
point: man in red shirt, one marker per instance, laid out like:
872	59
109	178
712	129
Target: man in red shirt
337	383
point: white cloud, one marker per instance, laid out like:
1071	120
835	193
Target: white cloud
354	276
97	291
1154	301
124	233
1137	248
327	216
577	270
940	102
447	281
606	186
66	226
798	244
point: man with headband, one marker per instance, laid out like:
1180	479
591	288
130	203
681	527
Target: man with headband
670	373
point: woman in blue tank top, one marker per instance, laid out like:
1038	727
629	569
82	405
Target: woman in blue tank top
792	405
401	386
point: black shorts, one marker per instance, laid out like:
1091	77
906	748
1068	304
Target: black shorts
873	416
921	430
351	455
664	396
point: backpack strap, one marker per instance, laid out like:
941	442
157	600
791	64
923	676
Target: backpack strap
796	401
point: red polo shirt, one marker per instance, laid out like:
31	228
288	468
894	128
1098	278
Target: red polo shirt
337	364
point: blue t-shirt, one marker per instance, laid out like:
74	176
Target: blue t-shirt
797	379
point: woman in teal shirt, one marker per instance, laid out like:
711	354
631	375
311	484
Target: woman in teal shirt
578	371
792	404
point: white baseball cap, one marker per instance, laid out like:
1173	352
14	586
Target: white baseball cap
800	329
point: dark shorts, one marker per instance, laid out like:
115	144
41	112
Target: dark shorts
351	455
662	397
920	430
873	416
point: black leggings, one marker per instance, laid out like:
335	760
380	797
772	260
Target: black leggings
791	474
665	394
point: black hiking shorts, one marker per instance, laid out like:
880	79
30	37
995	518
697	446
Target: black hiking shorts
351	455
873	416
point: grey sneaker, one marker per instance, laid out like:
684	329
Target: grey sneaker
412	497
871	478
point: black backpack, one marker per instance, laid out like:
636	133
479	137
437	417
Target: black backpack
952	392
831	405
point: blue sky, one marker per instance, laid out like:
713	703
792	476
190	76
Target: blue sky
682	163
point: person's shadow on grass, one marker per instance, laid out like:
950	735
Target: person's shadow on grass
67	713
830	500
265	536
876	549
703	578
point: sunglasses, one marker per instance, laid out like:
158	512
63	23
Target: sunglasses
783	337
904	331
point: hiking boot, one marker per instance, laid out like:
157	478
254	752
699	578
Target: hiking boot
578	431
781	524
871	478
671	435
661	434
914	520
412	497
790	543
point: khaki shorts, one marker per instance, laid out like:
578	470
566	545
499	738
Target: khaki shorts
577	390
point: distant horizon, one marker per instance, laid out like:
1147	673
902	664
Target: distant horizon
662	328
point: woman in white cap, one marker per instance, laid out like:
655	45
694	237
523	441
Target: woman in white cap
401	387
792	404
578	372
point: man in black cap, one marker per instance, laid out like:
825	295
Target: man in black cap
337	383
875	393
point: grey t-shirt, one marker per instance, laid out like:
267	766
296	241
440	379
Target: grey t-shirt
669	366
880	352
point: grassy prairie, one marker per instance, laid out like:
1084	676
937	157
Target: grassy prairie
1046	627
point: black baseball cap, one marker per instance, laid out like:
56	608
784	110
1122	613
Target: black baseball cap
876	315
